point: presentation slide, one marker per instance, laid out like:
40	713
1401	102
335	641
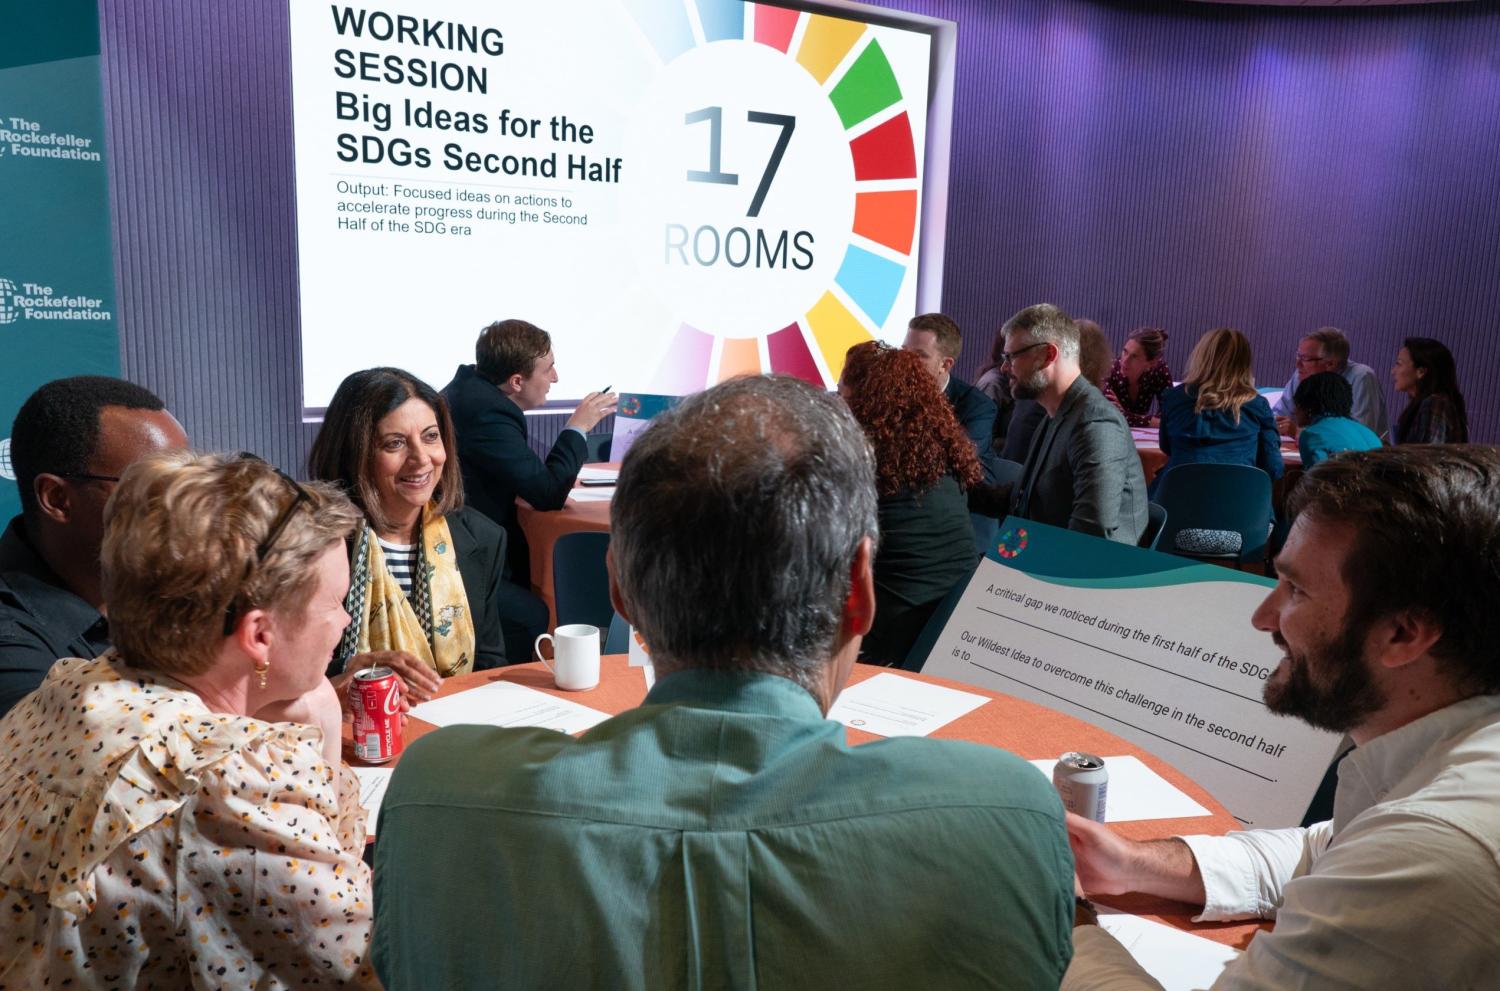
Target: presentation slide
679	191
1155	648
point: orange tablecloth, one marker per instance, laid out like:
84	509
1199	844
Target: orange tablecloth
543	529
1024	728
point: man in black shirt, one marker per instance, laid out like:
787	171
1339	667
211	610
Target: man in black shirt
71	441
935	339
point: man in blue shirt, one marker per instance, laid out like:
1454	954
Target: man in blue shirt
724	834
1327	350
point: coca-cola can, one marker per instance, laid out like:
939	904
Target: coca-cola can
1082	781
375	697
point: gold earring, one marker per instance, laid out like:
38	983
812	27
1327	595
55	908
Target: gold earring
260	674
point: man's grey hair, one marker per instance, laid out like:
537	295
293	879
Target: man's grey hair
1045	322
735	526
1335	345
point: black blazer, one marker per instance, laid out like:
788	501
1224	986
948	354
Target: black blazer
479	542
975	411
498	464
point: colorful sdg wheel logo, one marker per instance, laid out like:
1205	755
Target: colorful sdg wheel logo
631	406
1012	543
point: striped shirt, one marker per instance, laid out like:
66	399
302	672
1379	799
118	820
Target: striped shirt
401	562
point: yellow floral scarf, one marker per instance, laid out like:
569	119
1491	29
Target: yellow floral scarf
434	625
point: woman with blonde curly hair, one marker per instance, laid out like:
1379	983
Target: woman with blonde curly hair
924	463
175	811
1215	414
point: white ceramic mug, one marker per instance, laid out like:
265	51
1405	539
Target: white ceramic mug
575	650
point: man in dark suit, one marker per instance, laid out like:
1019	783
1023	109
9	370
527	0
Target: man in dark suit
1082	471
71	441
935	339
514	369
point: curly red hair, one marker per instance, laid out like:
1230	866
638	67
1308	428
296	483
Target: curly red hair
916	437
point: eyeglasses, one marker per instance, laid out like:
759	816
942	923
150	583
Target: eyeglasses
1307	359
264	547
86	477
1007	357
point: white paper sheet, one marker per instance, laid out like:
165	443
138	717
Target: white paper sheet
1137	792
648	671
594	473
890	705
1179	960
373	781
600	494
504	703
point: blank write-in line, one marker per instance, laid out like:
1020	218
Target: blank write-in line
1122	722
1123	657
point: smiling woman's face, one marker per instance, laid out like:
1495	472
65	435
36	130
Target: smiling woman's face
409	457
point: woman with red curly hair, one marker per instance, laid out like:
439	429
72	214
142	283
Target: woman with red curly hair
924	462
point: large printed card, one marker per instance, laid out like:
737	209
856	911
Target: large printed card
1155	648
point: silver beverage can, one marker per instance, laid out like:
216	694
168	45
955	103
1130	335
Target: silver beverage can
1083	782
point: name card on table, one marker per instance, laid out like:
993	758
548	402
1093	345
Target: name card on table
1154	648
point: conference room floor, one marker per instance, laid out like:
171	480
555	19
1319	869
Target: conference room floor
1024	728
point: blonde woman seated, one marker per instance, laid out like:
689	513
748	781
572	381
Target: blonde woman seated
426	575
175	813
1216	415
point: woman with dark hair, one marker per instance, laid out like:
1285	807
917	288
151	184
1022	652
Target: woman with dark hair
1140	374
923	464
425	573
1425	371
1321	408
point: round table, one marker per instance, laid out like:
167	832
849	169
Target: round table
1024	728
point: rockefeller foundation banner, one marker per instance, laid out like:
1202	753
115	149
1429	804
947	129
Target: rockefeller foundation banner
57	293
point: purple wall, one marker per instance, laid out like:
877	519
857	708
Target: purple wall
1186	164
1195	165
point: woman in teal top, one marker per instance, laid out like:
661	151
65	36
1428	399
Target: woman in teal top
1321	406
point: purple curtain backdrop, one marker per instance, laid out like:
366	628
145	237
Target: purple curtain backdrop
1194	165
1190	165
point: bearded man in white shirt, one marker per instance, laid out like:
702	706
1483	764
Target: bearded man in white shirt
1388	610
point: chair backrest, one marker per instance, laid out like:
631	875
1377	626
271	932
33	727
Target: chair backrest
1007	472
987	528
1206	496
598	446
921	648
618	640
1156	518
580	583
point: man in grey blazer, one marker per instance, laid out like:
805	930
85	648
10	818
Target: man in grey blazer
1082	471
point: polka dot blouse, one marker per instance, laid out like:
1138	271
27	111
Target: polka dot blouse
150	843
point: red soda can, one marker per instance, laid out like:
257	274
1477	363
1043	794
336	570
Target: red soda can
375	697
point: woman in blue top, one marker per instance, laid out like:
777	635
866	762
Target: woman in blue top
1216	414
1321	408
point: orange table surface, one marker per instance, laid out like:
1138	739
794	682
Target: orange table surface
1024	728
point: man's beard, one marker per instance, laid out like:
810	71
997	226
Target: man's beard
1029	388
1342	698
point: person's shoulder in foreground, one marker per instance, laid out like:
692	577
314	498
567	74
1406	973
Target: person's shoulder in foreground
1390	638
724	833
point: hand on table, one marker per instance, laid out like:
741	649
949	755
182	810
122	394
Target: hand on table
1108	864
418	681
1286	426
591	409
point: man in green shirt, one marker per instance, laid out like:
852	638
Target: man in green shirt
724	835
